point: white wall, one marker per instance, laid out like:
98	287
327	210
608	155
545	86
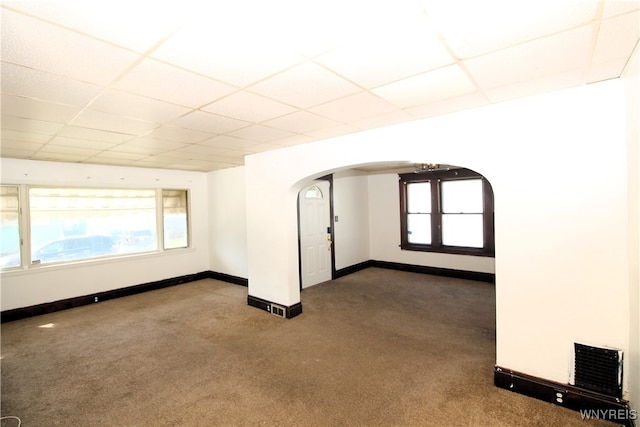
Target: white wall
227	222
42	284
384	207
557	164
632	77
350	204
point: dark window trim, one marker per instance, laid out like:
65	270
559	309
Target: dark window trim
435	177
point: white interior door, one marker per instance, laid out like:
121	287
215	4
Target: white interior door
315	234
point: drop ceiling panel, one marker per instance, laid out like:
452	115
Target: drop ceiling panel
234	55
209	122
305	86
141	82
167	83
136	25
20	136
618	7
260	133
39	110
104	121
179	134
477	27
30	125
374	62
36	44
82	143
354	107
30	83
301	122
616	39
249	107
93	134
551	55
138	107
443	83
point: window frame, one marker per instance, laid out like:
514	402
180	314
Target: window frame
26	261
436	245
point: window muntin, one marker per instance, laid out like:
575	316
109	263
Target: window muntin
175	219
9	226
458	217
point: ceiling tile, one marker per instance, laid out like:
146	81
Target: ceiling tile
93	134
479	27
388	119
37	44
372	62
305	86
249	107
21	136
209	122
537	86
450	105
135	25
154	144
167	83
354	107
332	131
30	83
179	134
436	85
18	147
138	107
245	56
229	142
301	122
35	109
617	38
82	143
119	155
62	149
104	121
260	133
617	7
551	55
29	125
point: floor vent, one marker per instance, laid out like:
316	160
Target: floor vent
598	369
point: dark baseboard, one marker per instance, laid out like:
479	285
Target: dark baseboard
353	268
590	404
279	310
228	278
50	307
436	271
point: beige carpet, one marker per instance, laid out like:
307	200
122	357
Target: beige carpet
376	348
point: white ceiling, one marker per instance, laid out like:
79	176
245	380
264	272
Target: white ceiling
197	85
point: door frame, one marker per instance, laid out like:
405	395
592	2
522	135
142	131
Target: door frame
328	178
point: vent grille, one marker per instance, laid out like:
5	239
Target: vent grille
598	369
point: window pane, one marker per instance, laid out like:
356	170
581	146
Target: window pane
419	228
174	217
462	196
77	223
462	230
9	227
419	197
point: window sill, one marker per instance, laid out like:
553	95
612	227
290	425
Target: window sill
456	250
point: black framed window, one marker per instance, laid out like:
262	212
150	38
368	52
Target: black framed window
448	211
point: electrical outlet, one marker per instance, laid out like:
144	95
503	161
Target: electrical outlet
559	396
278	310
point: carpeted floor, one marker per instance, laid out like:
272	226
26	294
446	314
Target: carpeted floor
375	348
